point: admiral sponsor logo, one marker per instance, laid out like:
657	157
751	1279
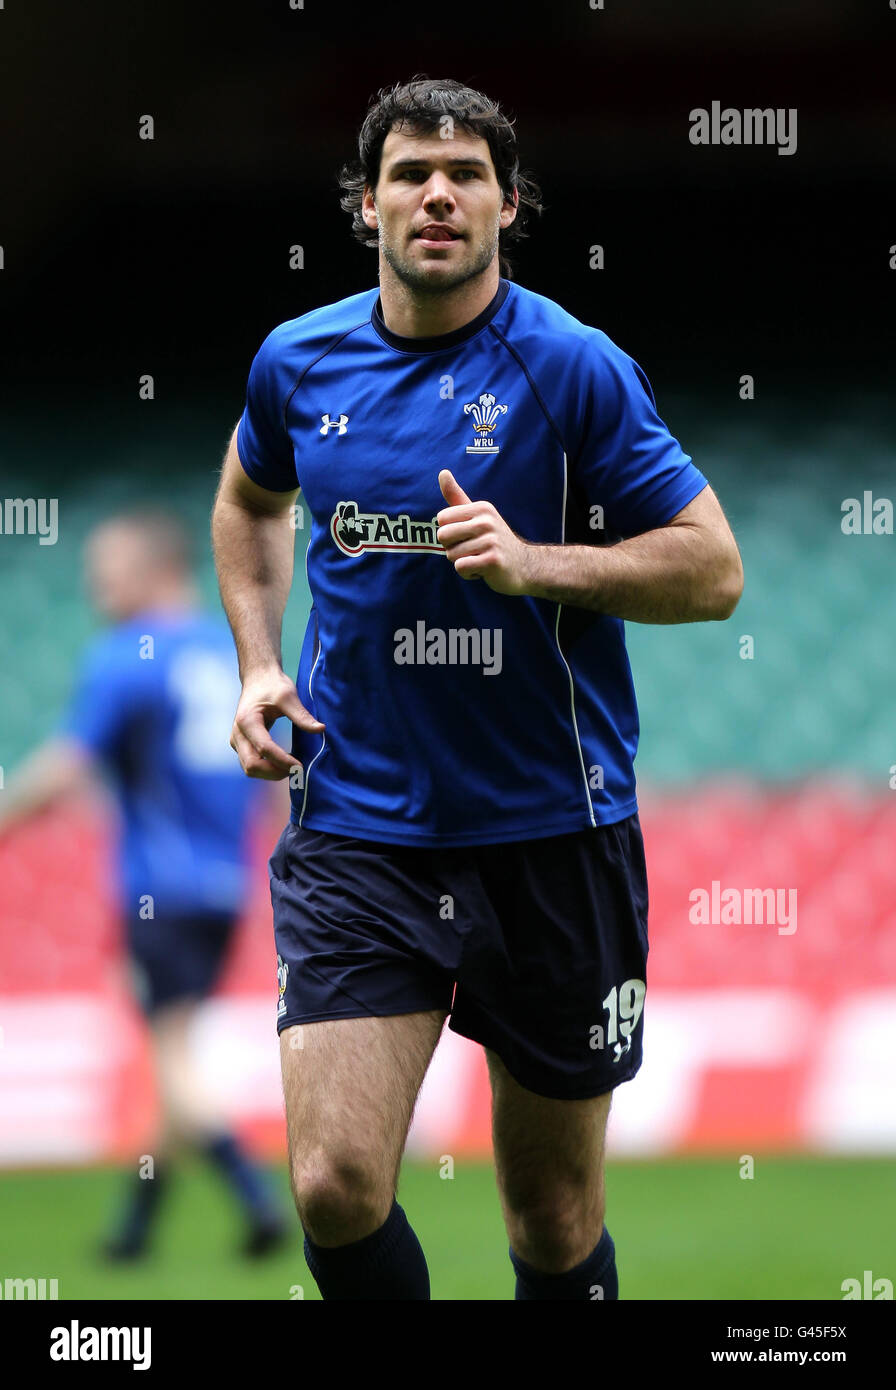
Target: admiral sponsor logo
355	531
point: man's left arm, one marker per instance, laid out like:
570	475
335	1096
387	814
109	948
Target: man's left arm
687	571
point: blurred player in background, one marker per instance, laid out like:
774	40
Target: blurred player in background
153	706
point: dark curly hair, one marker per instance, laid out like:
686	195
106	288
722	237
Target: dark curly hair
420	104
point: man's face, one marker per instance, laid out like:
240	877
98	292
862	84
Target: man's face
118	571
438	208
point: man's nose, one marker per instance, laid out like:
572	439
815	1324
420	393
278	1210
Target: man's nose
438	190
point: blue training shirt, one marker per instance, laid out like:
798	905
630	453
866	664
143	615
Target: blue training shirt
155	700
456	715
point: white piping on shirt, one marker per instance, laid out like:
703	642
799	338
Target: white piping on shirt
572	692
320	647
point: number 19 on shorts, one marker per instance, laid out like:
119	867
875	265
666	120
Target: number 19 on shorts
624	1005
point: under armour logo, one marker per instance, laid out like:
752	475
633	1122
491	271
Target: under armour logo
340	425
620	1051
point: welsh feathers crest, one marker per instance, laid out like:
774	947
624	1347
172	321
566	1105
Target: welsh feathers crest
485	414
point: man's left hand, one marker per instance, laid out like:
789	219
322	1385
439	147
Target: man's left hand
478	541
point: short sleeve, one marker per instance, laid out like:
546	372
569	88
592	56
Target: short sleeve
103	701
626	460
262	441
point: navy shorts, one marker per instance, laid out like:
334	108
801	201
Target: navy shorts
537	948
175	957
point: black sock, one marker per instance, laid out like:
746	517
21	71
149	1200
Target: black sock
594	1278
387	1264
141	1203
241	1173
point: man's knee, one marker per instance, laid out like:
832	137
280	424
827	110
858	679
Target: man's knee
556	1225
558	1205
340	1196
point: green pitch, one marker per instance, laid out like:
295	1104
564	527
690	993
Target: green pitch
683	1229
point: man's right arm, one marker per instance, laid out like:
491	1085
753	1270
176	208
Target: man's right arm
254	543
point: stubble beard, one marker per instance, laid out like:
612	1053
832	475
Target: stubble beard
425	285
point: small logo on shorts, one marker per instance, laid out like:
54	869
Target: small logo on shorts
282	976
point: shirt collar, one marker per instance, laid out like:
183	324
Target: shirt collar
442	340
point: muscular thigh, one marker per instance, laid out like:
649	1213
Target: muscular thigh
351	1084
546	1149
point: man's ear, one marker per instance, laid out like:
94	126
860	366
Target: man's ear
368	208
509	208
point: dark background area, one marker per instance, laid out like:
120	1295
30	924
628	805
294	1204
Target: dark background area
170	256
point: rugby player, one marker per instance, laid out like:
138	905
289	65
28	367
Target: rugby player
151	709
492	495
